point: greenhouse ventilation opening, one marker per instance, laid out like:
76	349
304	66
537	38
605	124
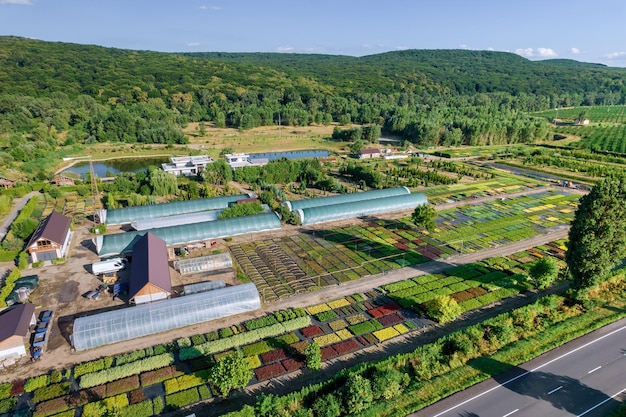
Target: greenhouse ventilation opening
133	322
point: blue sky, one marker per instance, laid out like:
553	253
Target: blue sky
581	30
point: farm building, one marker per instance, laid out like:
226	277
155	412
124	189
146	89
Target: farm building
345	198
62	180
240	160
16	322
144	320
187	165
7	182
127	215
216	262
370	153
51	238
149	271
314	215
120	243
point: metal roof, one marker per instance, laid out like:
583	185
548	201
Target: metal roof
149	265
54	228
16	321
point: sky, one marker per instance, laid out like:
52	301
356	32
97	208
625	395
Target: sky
588	31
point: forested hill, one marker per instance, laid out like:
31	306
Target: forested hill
31	67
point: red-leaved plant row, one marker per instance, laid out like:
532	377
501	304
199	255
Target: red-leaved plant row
269	371
346	346
363	341
383	310
137	396
328	352
152	377
273	356
292	364
311	331
391	319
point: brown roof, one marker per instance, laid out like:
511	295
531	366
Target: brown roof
369	151
149	265
54	228
16	321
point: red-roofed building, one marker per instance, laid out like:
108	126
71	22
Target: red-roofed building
369	153
149	271
51	239
14	332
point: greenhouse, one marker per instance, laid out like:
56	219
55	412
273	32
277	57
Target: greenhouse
126	215
203	287
345	198
333	212
153	223
204	263
133	322
118	243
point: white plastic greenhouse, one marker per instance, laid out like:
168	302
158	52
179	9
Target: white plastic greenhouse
127	215
133	322
178	220
204	263
203	286
314	215
345	198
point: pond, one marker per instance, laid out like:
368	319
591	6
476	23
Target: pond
115	166
291	154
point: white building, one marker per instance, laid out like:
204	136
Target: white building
239	160
14	332
187	165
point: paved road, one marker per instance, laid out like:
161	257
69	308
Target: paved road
19	204
586	377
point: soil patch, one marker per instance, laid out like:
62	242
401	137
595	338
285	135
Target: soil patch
68	292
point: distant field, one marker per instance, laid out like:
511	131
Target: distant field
603	137
596	114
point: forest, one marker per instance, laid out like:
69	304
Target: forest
56	95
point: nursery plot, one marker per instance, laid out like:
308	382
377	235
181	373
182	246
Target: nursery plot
501	184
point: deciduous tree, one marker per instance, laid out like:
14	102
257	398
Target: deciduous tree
230	373
424	216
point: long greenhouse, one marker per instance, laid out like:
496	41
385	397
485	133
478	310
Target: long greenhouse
176	220
127	215
119	243
133	322
314	215
345	198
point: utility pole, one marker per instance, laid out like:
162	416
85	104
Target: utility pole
94	190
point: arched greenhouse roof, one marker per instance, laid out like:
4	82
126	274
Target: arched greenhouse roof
138	321
117	243
322	214
345	198
126	215
177	220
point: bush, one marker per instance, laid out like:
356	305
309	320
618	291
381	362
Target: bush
158	405
7	404
90	367
51	391
225	332
5	390
111	405
142	409
118	372
36	382
9	284
181	399
130	357
261	322
198	339
184	382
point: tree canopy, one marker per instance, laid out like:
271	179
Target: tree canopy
597	238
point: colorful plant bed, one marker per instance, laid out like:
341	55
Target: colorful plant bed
269	371
311	331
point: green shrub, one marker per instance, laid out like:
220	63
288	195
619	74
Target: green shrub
205	392
142	409
225	332
260	322
326	315
181	399
185	382
5	390
256	348
183	342
118	372
160	349
9	284
158	405
198	339
111	404
130	357
7	404
36	382
211	336
51	391
89	367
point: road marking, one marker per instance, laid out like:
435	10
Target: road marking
600	403
555	390
508	414
594	369
527	372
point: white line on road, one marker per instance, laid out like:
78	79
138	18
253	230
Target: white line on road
594	369
555	390
527	372
508	414
600	403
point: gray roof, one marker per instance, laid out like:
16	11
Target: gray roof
149	265
16	321
54	228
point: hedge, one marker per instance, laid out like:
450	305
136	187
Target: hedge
7	404
260	322
5	390
256	348
183	398
122	385
9	284
130	357
185	382
118	372
51	391
365	327
158	405
111	404
159	375
142	409
93	366
36	382
244	338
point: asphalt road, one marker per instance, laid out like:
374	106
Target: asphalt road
586	377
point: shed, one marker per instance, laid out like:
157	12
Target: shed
62	180
149	271
16	322
369	153
51	238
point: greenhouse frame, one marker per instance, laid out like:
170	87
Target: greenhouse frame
121	243
177	220
133	322
203	286
314	215
345	198
204	263
127	215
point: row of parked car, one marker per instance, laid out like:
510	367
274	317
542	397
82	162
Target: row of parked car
40	334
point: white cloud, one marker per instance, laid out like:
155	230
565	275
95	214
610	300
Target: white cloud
546	52
491	48
215	8
614	55
18	2
464	46
285	48
527	52
575	51
193	44
203	7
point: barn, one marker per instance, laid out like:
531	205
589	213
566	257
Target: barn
51	239
14	331
149	271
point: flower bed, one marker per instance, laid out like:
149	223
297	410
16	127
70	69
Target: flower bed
356	319
159	375
292	364
385	334
344	334
326	315
273	356
342	302
256	348
384	310
269	371
365	327
316	309
328	352
327	339
391	319
346	346
253	361
183	398
338	324
311	331
401	328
